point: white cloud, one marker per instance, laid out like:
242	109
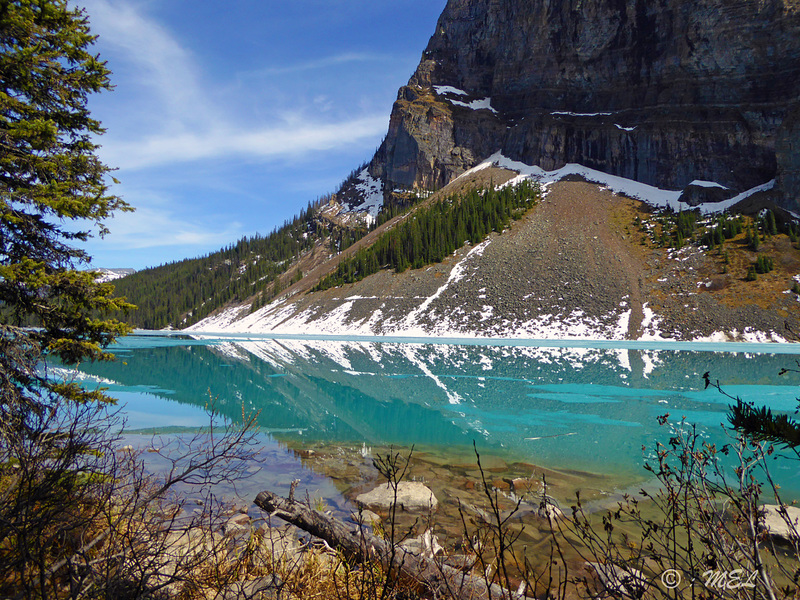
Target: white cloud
321	63
176	117
268	142
161	66
151	227
184	133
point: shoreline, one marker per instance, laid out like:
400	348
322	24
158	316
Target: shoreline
771	347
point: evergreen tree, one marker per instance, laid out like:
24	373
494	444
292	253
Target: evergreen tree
758	422
763	264
51	176
436	231
771	227
52	195
753	239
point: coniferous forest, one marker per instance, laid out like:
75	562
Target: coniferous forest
182	293
433	232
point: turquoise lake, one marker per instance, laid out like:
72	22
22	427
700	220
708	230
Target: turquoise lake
583	406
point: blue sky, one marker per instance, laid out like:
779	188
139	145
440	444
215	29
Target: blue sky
227	118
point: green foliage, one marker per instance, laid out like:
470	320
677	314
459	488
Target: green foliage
181	293
722	228
677	229
395	207
760	424
436	231
51	177
753	239
763	264
684	227
767	223
792	232
184	292
751	274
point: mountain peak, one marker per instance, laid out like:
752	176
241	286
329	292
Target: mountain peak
662	93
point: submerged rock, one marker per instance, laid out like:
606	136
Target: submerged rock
782	523
412	496
236	525
426	544
365	517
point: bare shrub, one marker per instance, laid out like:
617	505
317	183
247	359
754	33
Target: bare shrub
81	517
700	534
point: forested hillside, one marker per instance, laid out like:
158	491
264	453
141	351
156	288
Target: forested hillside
437	230
181	293
258	268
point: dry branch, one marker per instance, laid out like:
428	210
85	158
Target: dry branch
358	544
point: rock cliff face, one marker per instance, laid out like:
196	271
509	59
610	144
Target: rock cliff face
661	91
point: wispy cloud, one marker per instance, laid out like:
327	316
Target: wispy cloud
202	148
151	227
184	120
321	63
265	143
158	63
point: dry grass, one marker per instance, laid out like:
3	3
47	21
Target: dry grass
315	572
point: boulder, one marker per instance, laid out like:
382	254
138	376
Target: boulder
412	496
695	194
630	583
365	517
426	545
550	512
780	525
280	544
237	524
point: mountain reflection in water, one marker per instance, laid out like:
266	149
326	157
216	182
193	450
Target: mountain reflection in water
590	409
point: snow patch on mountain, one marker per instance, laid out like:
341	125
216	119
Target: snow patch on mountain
107	275
443	310
657	197
481	104
370	191
478	104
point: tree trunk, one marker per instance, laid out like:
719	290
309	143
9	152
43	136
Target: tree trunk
442	581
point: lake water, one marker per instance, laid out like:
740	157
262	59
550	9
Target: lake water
588	407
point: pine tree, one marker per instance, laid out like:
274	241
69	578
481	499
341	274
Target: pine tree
771	226
53	194
753	240
51	177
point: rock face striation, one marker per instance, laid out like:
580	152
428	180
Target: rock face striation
665	92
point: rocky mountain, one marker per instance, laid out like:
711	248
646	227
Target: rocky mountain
585	262
664	92
617	108
112	274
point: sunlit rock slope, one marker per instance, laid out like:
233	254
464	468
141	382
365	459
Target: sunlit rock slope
664	93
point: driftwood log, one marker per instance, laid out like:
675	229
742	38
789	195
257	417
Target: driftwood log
442	581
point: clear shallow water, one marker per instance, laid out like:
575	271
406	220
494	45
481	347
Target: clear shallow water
590	407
